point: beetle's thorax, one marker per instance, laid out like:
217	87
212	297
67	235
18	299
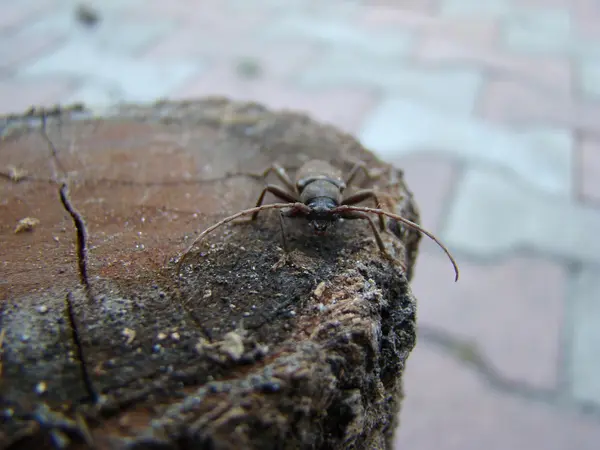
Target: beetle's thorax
321	189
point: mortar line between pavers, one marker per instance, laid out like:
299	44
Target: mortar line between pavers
142	51
577	166
563	367
525	251
461	166
488	71
485	69
506	171
466	354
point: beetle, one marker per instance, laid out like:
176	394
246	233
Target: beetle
317	195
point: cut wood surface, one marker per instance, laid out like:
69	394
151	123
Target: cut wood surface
105	345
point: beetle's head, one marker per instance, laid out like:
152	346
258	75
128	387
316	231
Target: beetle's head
321	215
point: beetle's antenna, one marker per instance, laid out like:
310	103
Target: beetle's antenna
245	212
407	222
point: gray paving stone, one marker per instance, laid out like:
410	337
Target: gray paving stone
344	36
475	8
334	9
540	31
590	79
114	32
494	213
541	158
137	79
453	89
584	315
98	95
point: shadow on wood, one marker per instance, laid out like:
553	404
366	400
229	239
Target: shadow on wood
106	346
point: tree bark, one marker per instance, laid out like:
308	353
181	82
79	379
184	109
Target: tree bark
105	345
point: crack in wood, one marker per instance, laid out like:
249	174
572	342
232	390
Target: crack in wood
52	147
85	374
81	236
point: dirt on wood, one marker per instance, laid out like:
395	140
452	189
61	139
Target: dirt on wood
105	345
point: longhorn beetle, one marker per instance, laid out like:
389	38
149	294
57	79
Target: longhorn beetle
318	196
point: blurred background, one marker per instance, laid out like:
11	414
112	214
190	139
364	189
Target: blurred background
492	108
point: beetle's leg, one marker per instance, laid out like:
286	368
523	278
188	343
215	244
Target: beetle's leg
297	210
282	175
286	249
361	196
360	166
363	216
277	192
232	218
285	258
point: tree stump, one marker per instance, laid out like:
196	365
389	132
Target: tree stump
106	345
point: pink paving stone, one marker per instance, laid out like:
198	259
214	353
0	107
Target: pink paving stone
550	73
586	16
449	407
431	180
562	4
512	102
481	31
18	96
15	14
589	170
512	310
343	107
22	47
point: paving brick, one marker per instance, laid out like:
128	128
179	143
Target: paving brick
431	180
511	102
97	95
586	14
464	30
554	4
16	96
345	108
211	13
512	311
475	8
584	315
542	72
115	32
315	9
378	10
590	79
448	406
15	14
589	170
540	31
481	32
138	79
453	90
494	213
401	127
342	36
274	59
22	47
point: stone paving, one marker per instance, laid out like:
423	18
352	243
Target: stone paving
491	107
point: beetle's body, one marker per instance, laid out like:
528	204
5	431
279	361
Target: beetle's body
321	193
317	194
